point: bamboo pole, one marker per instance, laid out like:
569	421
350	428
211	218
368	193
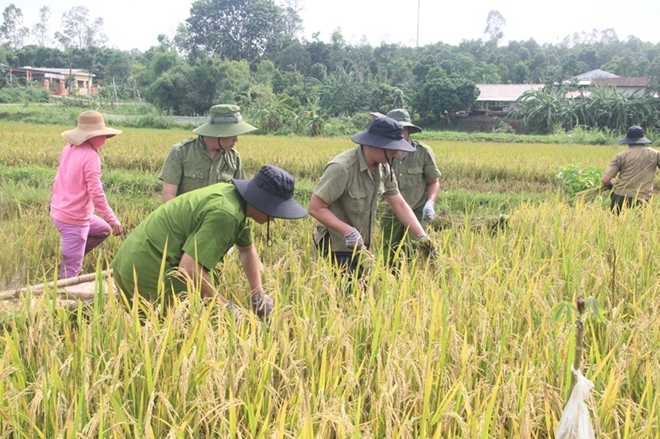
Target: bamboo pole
39	289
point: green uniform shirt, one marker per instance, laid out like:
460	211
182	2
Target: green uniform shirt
352	194
189	166
204	223
636	169
412	172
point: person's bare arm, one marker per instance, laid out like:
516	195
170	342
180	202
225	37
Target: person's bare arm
169	191
252	267
319	210
196	271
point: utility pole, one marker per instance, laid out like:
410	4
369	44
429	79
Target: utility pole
419	8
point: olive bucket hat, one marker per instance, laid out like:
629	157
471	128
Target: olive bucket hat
224	121
271	192
384	133
402	115
634	136
90	124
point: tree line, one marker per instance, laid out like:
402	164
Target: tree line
250	52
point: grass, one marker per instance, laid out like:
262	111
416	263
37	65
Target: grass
460	347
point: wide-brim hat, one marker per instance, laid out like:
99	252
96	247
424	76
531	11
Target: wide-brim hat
634	135
384	133
402	115
90	124
224	121
271	192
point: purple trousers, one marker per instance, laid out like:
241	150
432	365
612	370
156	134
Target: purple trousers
77	241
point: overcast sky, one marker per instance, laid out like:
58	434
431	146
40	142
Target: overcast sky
137	23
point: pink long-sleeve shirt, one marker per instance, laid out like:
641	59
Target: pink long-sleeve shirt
77	189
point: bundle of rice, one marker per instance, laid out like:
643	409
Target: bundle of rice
592	194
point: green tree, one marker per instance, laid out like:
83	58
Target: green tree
520	73
293	57
292	21
653	73
486	73
12	29
79	30
343	93
236	29
463	65
234	78
169	90
40	29
118	65
494	24
589	56
442	96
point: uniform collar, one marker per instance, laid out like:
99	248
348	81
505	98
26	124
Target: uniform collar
362	159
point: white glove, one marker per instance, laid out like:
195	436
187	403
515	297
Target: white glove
428	213
354	240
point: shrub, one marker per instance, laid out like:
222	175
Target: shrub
14	95
574	178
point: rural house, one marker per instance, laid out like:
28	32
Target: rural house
53	79
501	98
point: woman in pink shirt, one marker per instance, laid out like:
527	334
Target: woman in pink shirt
77	192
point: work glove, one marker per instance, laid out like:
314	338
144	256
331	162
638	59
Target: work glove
426	246
234	311
428	213
262	304
354	240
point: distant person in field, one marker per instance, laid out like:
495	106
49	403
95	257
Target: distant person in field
77	191
345	199
418	177
184	239
208	158
634	170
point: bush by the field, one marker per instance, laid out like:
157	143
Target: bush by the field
17	95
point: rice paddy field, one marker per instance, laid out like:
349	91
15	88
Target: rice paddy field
476	343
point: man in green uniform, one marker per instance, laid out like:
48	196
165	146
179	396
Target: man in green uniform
345	199
635	168
419	183
176	247
208	158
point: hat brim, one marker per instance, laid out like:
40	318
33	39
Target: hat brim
634	140
224	129
376	115
78	137
366	138
268	203
412	129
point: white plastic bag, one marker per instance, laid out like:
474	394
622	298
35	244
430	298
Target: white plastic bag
575	422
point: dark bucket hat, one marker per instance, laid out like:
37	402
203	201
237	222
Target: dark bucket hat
634	135
224	121
402	115
271	192
385	133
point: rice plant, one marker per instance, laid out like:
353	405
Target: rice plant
467	345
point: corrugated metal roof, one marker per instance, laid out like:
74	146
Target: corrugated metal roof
630	81
597	73
504	92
